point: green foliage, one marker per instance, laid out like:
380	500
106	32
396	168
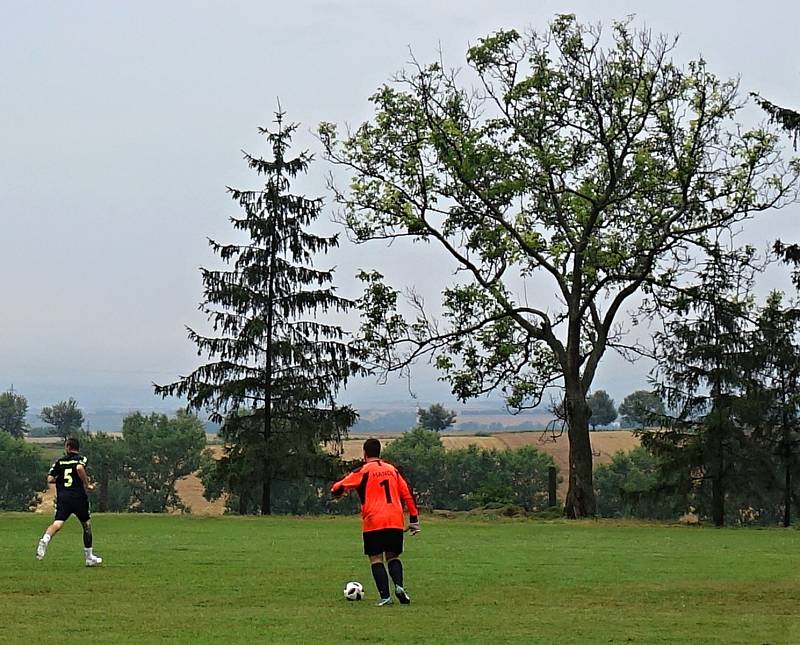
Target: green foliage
477	477
65	417
310	496
276	363
470	477
775	357
731	375
589	161
161	450
13	408
436	418
641	408
420	455
632	486
300	484
706	374
108	463
23	474
602	408
788	119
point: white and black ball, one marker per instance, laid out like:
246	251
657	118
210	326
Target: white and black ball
353	591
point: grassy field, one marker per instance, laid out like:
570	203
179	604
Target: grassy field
278	580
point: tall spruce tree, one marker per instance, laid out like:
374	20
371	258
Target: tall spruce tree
276	366
789	120
704	377
777	348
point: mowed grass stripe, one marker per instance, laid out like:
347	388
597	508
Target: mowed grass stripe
279	579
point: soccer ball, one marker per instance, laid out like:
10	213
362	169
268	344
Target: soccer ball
353	591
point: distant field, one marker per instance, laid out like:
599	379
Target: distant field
243	580
604	446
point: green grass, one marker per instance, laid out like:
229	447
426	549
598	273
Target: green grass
279	580
51	452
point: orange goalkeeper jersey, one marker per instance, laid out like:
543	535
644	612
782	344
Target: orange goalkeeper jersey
382	491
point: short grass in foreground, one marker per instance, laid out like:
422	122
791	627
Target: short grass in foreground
236	580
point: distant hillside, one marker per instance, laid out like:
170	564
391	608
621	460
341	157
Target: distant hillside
488	418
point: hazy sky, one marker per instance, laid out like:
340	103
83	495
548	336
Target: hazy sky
122	123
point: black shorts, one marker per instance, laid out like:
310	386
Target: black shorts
383	541
77	505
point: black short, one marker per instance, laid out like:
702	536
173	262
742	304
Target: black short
77	505
383	541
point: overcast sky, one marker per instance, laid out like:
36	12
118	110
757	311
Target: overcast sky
122	123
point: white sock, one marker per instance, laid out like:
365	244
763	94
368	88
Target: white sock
46	538
87	552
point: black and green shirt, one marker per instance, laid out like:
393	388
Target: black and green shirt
64	471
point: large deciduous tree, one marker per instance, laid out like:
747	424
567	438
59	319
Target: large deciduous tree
602	409
13	408
596	166
23	471
436	417
276	361
107	457
160	450
65	417
641	408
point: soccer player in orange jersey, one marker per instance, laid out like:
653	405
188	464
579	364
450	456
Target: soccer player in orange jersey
383	492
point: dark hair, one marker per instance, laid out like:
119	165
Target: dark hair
372	448
73	444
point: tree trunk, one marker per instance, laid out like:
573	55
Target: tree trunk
580	500
787	503
266	494
266	481
243	499
717	501
717	483
102	495
552	483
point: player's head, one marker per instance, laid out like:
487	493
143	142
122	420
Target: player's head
72	445
372	448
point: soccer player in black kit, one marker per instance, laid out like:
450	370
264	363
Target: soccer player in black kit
72	483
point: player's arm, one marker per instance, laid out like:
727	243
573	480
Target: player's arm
81	470
349	482
51	474
408	500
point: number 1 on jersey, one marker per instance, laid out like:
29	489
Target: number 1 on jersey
385	485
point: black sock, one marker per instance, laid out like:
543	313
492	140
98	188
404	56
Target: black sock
396	571
381	579
87	536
